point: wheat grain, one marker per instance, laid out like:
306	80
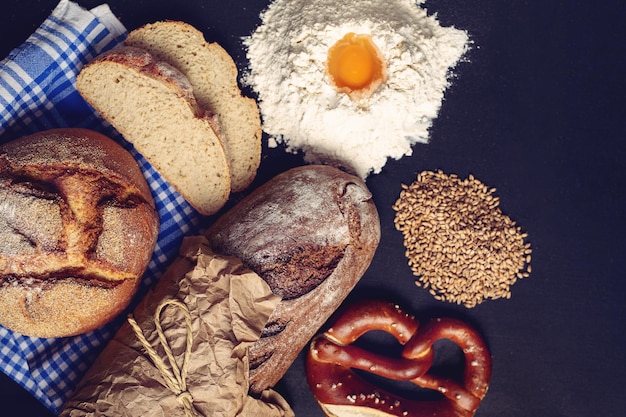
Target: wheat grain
458	242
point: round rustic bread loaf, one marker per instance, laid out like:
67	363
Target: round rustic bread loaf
77	230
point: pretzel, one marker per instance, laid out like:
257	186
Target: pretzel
340	391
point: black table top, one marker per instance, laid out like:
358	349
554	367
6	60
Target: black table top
538	114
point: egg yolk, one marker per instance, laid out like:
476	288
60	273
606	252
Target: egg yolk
356	66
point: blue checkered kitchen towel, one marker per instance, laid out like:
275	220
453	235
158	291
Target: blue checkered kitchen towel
37	92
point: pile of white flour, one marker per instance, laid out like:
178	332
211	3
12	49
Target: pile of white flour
302	110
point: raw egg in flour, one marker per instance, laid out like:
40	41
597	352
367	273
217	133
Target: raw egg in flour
356	66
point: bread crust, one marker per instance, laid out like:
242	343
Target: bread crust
309	223
78	227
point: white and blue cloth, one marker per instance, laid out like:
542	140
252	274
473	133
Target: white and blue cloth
37	92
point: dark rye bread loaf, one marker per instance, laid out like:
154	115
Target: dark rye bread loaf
311	233
77	230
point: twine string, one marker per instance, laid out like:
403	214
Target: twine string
174	376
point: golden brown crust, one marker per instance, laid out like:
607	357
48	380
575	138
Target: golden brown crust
77	229
63	308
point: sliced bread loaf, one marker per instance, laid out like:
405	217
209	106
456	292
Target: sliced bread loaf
152	105
213	76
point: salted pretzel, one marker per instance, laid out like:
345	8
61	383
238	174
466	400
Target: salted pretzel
332	360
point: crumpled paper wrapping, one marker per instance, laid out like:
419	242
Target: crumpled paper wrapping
225	306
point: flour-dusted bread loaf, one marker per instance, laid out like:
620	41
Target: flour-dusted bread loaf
152	105
213	76
311	233
77	230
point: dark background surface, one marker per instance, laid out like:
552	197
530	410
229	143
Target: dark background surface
538	114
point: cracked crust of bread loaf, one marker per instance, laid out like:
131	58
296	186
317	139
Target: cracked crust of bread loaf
77	230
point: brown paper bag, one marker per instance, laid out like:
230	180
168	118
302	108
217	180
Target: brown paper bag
183	352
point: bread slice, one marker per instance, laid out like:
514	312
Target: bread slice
213	76
152	105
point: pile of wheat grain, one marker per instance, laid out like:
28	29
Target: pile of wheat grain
458	242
